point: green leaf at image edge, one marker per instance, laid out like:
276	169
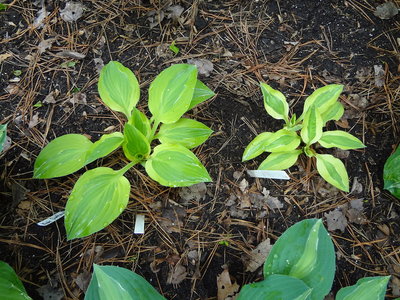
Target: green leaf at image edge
11	287
333	171
368	288
97	199
3	135
111	282
391	174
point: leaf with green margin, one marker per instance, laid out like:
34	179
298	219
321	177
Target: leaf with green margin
334	113
391	173
312	126
333	171
276	287
104	146
257	146
141	122
11	287
275	103
340	139
171	92
368	288
62	156
118	88
280	160
3	135
201	93
282	141
111	282
323	98
289	250
136	146
97	199
175	166
186	132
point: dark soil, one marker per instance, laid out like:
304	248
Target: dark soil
295	46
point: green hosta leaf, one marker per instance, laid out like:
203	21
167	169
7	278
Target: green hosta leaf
369	288
136	146
62	156
141	122
11	287
257	146
3	135
282	141
294	252
333	171
201	94
175	165
119	88
312	126
98	198
171	92
109	282
276	287
107	144
340	139
186	132
323	98
280	160
391	173
275	103
334	113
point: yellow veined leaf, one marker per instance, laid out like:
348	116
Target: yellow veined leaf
333	171
256	146
141	122
312	126
136	146
323	98
280	160
340	139
334	113
282	141
275	103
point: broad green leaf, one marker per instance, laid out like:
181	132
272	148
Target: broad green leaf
293	248
340	139
275	103
323	98
119	88
62	156
3	135
312	126
171	92
280	160
391	173
334	113
110	282
175	165
136	146
11	287
333	171
368	288
186	132
141	122
282	141
257	146
97	199
201	94
276	287
107	144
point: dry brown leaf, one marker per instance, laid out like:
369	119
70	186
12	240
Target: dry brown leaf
226	289
176	274
336	220
4	56
257	256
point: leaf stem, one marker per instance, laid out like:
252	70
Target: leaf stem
126	168
154	129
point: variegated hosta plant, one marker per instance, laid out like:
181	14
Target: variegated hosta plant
301	266
286	144
101	194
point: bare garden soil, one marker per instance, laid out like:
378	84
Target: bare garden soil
48	87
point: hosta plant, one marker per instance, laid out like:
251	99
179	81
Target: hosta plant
161	144
3	136
300	135
391	173
301	266
11	287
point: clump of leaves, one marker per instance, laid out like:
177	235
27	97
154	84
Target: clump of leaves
301	265
286	144
391	173
101	194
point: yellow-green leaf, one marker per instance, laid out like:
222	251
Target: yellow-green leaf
323	98
333	171
256	146
136	146
141	122
275	103
280	160
201	93
368	288
340	139
312	126
334	113
282	141
107	144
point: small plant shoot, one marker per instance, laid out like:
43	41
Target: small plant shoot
301	265
300	135
101	194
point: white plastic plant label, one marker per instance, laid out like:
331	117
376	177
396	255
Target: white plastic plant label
269	174
139	224
52	219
